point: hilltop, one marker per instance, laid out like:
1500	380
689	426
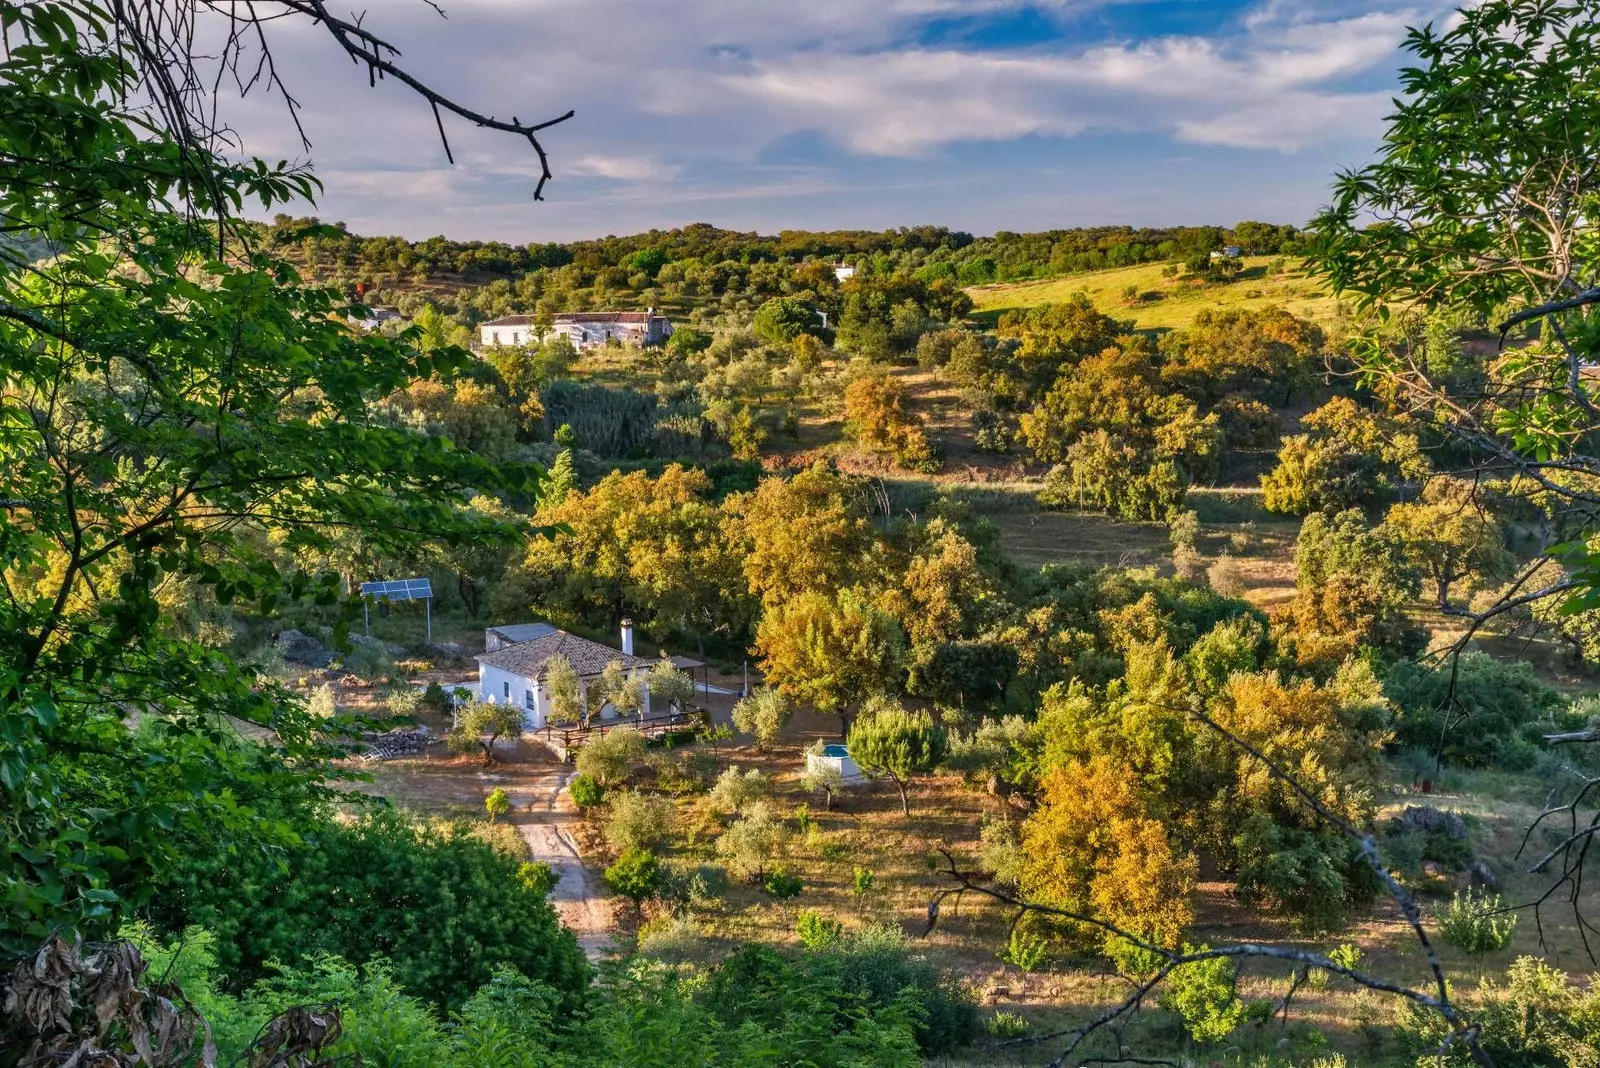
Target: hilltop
1167	302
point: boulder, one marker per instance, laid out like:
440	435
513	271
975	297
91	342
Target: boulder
301	648
1429	820
1480	875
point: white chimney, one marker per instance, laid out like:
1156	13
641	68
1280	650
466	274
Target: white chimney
627	637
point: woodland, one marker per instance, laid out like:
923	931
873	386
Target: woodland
1226	677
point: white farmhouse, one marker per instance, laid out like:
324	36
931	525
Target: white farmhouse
513	671
583	329
843	272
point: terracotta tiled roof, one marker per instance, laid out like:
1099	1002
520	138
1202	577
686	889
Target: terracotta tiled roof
640	318
530	659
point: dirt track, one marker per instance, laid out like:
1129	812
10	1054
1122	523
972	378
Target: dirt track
539	813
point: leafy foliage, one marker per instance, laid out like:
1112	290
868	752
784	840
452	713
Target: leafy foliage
382	886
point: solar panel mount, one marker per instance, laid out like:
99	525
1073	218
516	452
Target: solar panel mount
412	589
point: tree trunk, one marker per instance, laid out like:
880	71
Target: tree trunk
905	799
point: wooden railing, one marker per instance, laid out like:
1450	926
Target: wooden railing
569	738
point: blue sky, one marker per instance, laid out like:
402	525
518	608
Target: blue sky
815	114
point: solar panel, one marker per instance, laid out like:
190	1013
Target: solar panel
413	589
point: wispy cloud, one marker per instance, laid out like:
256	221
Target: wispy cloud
682	104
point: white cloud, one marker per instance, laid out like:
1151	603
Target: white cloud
690	98
623	168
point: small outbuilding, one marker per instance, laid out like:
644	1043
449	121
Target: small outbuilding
838	757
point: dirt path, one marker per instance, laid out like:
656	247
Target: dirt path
545	825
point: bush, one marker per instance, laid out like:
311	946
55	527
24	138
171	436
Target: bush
1204	995
638	821
735	791
782	884
586	791
1495	716
403	699
636	875
1474	923
434	696
1004	1025
1025	949
369	661
497	804
817	932
875	964
537	877
444	907
673	939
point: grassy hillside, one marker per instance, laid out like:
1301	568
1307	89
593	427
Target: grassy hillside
1165	304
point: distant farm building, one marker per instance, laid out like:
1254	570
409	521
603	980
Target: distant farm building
583	329
843	272
513	668
1229	252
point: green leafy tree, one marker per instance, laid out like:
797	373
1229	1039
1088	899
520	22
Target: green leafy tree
1350	458
636	875
1482	203
564	688
830	653
480	724
757	839
1451	538
497	804
763	715
609	758
891	741
671	686
782	319
638	821
444	907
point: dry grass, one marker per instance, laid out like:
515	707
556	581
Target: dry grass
1168	305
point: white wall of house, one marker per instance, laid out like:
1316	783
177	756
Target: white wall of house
506	335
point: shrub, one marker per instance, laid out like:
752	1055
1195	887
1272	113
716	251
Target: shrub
864	878
443	906
753	840
1025	949
434	696
610	758
1204	995
875	964
1225	577
1004	1025
673	939
734	791
1474	923
636	875
637	821
537	877
1486	713
322	704
817	931
497	804
782	884
586	791
403	699
369	661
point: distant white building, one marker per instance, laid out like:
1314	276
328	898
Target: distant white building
513	668
583	329
376	317
843	272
